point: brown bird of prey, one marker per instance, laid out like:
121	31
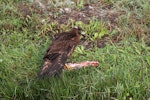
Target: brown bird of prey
59	51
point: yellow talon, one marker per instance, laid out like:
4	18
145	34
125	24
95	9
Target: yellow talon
67	67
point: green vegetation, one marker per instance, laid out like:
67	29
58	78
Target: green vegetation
94	30
124	67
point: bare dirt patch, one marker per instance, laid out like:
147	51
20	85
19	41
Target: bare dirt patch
62	15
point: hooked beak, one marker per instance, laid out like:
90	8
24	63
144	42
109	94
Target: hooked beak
83	33
80	30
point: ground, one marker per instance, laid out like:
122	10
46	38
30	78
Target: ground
117	36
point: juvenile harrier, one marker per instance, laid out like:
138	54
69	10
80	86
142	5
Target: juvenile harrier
59	51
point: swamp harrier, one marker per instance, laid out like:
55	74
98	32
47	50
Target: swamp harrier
59	51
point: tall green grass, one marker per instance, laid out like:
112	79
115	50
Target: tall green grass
123	72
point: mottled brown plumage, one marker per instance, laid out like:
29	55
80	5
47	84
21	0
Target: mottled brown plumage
60	50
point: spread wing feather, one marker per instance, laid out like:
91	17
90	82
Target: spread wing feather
54	68
56	57
60	50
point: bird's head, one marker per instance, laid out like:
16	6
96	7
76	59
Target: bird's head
78	30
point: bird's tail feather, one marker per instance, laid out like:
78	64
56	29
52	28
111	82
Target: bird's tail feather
53	68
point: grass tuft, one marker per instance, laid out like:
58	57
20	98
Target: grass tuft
124	68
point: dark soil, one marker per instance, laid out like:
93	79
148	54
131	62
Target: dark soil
62	15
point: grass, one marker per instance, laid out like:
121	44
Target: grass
123	72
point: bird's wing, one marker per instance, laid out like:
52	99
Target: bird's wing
56	57
64	36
